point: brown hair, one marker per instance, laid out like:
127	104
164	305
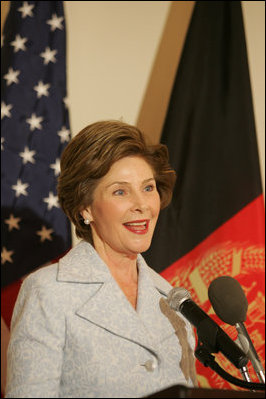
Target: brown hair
89	156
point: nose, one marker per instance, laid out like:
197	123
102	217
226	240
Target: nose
139	203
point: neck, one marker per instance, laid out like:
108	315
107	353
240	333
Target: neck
123	267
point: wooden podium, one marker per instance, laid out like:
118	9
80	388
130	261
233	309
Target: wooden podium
180	391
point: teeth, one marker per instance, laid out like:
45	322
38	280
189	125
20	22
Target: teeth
136	224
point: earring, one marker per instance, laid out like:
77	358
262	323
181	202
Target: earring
87	221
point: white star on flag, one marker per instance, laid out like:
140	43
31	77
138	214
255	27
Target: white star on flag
32	113
48	55
55	22
11	76
26	9
19	43
56	167
52	200
12	222
35	122
6	256
20	188
42	89
27	155
5	110
64	134
45	233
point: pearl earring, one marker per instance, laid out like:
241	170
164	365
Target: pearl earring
87	221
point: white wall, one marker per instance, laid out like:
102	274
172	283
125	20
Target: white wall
111	49
254	21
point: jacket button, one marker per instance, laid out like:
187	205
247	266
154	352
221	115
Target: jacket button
150	365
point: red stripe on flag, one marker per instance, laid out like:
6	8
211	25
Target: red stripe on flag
247	227
8	298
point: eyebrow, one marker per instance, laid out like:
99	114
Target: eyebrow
128	183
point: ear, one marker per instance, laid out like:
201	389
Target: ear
86	214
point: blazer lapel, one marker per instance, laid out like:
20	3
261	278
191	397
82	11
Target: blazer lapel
106	305
151	289
110	309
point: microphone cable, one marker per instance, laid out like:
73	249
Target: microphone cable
208	360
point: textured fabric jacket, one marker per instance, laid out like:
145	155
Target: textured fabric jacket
75	334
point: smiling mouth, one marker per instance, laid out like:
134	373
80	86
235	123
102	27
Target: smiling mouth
138	226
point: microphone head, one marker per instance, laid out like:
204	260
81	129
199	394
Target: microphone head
228	300
177	296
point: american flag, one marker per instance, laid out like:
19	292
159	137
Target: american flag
34	131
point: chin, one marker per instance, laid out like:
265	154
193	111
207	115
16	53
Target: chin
141	246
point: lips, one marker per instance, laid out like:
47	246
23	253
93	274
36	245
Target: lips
138	226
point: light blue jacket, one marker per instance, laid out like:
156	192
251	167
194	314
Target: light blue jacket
74	334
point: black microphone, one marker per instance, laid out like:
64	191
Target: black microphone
209	333
230	304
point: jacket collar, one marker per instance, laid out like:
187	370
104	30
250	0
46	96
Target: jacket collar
82	264
107	306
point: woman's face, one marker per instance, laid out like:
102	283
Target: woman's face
125	208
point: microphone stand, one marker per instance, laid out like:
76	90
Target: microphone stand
208	360
245	373
251	353
243	343
207	344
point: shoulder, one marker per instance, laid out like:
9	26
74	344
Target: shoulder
39	286
42	276
74	265
40	280
66	281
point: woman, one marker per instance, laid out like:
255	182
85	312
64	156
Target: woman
96	324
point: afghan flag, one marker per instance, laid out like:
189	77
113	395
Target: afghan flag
215	223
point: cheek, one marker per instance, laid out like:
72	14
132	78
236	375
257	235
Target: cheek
156	204
107	211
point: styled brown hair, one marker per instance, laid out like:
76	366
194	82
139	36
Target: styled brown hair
89	156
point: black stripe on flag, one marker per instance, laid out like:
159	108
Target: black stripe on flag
210	133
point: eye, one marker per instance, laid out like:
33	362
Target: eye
150	187
119	192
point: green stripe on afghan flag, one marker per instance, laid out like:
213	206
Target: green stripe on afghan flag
215	223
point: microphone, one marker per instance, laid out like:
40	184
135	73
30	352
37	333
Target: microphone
209	333
230	304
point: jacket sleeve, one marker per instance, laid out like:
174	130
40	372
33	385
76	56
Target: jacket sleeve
35	351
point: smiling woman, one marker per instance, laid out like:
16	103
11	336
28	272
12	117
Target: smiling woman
91	154
93	324
124	210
